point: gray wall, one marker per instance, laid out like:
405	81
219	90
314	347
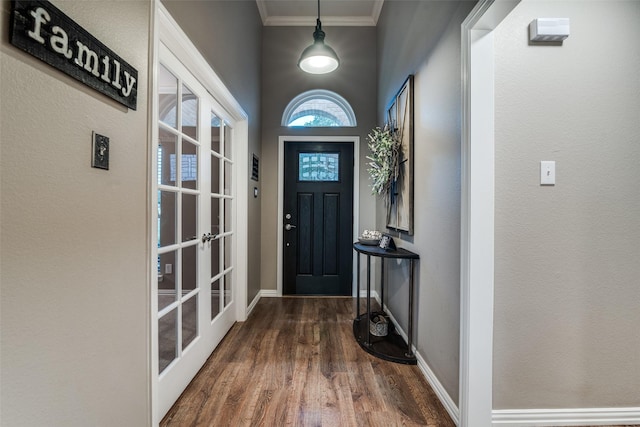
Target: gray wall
428	46
228	35
282	80
567	277
75	260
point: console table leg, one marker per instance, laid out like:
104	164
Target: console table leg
358	285
368	319
382	284
410	333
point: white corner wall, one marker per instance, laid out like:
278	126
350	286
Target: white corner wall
74	248
567	273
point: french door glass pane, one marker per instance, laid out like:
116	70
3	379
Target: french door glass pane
166	218
227	252
168	96
227	214
215	299
227	289
189	320
166	152
166	279
215	216
228	147
189	164
189	214
189	113
189	269
215	174
215	257
215	133
167	338
228	173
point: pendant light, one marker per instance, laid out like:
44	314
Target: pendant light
318	58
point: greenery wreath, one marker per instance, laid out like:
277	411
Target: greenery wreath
384	160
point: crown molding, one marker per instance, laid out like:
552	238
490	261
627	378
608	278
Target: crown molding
329	21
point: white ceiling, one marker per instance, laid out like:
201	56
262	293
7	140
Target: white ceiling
332	12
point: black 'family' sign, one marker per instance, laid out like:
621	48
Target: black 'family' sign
42	30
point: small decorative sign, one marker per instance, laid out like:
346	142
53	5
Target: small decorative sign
42	30
254	168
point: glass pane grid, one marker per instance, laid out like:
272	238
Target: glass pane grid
319	167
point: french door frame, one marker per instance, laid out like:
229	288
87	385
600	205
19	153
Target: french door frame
475	402
356	195
167	32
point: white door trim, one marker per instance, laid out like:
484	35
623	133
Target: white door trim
477	212
167	31
356	193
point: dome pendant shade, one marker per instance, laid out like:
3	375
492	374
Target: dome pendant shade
318	58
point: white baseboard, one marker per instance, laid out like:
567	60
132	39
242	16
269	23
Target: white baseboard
438	389
266	293
566	417
269	293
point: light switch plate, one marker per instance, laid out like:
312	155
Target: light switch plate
547	172
100	151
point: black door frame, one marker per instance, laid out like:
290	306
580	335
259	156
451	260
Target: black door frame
356	195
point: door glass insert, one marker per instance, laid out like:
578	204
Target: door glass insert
227	252
167	143
189	216
167	96
227	289
216	123
215	257
166	279
189	320
189	165
189	113
215	174
215	299
166	218
215	216
228	173
319	167
228	142
189	269
168	336
227	214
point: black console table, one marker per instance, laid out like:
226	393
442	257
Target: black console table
392	346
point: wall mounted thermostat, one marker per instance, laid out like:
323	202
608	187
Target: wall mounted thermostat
549	29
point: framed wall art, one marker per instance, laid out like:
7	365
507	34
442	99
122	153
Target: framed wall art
400	119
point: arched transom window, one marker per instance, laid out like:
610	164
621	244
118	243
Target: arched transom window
319	108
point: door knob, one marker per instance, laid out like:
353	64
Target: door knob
289	226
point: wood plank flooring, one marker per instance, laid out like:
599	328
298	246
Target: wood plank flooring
295	362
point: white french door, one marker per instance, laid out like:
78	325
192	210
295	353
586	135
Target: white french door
194	297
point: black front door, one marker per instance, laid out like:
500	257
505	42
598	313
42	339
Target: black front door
318	218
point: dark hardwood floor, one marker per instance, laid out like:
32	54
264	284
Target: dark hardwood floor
295	362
